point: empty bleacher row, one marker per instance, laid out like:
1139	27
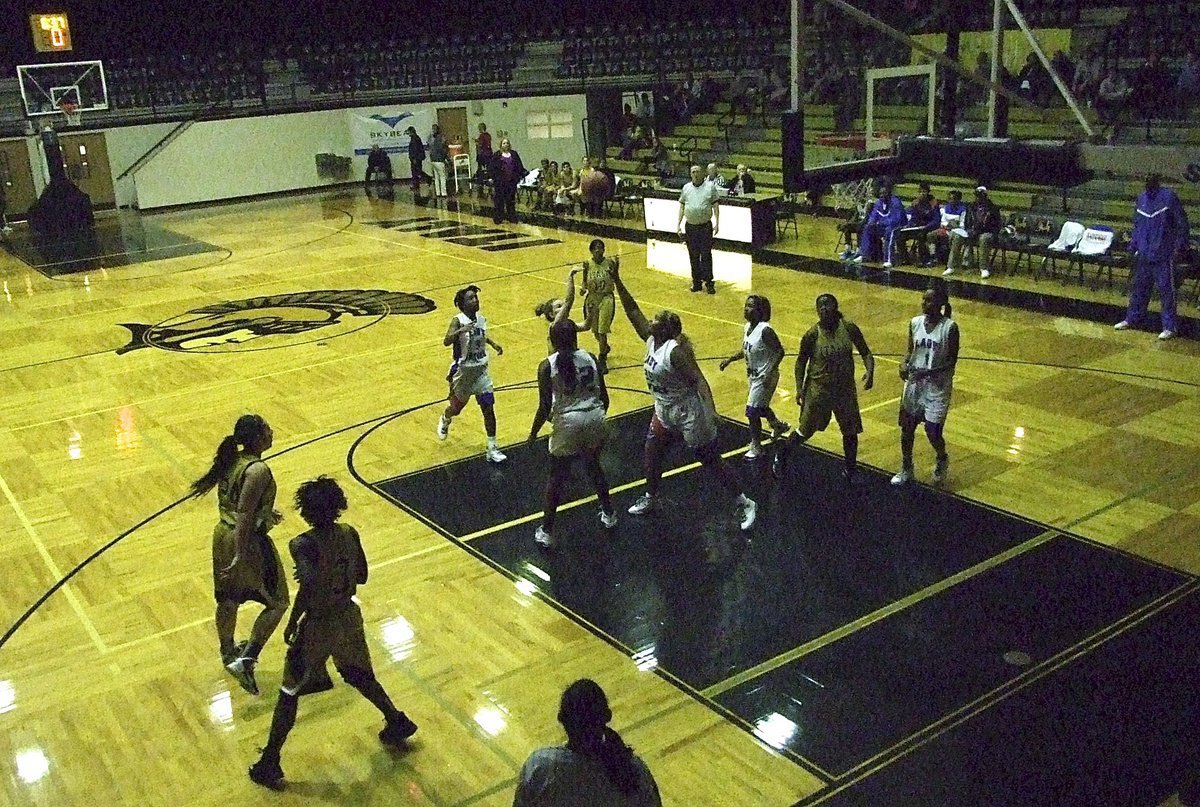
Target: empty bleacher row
165	80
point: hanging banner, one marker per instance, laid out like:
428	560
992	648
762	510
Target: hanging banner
388	128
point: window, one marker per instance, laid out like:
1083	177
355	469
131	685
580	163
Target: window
549	125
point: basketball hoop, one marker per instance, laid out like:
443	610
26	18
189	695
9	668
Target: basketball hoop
71	112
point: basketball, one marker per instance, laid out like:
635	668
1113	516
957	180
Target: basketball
594	187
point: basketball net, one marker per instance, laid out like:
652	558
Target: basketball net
71	112
851	195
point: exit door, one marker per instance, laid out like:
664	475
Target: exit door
17	177
85	157
453	123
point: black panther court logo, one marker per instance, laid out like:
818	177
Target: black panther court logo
229	326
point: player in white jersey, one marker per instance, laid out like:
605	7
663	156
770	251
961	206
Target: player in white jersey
571	393
468	375
928	374
763	352
683	405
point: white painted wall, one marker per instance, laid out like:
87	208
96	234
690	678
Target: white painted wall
250	156
125	147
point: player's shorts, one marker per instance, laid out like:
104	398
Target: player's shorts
338	634
691	420
258	576
578	433
921	399
468	381
761	392
605	307
822	402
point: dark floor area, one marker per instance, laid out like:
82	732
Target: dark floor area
120	239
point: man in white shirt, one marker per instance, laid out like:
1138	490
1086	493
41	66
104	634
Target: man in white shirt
699	220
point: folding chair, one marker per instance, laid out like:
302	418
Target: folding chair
1068	238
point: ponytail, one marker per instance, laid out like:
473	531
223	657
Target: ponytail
545	309
223	460
619	763
247	429
565	339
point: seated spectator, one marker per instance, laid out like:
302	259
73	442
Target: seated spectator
1064	68
1152	89
1030	78
953	214
981	229
567	184
924	217
1187	87
714	176
609	174
379	165
595	188
775	90
1087	78
744	182
662	158
1111	97
548	187
595	760
882	224
644	111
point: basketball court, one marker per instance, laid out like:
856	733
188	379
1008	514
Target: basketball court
861	645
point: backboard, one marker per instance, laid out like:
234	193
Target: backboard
44	87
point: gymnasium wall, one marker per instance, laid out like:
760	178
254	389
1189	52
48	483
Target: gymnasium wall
227	159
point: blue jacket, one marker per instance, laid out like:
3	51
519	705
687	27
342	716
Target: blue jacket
1160	225
928	216
888	213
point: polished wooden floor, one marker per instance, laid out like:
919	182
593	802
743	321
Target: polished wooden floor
111	692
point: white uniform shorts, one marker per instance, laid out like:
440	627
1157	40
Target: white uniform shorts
575	433
692	420
761	392
471	380
926	400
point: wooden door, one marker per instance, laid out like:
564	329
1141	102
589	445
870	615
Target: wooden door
85	156
17	175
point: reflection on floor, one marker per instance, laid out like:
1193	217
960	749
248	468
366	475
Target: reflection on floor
119	239
854	626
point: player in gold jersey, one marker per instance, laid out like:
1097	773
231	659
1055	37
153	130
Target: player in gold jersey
325	622
825	381
246	565
599	297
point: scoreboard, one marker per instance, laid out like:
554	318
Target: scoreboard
51	33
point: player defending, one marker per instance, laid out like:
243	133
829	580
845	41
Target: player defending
469	372
599	302
763	352
572	394
928	375
683	405
325	622
825	381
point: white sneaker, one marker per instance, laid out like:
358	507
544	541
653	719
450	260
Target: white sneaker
941	469
1123	325
948	271
984	273
749	512
495	455
543	538
1165	335
753	453
903	477
443	427
887	264
609	520
858	258
645	504
243	670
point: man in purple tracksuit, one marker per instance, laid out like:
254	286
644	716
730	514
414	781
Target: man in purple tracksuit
883	222
1160	232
